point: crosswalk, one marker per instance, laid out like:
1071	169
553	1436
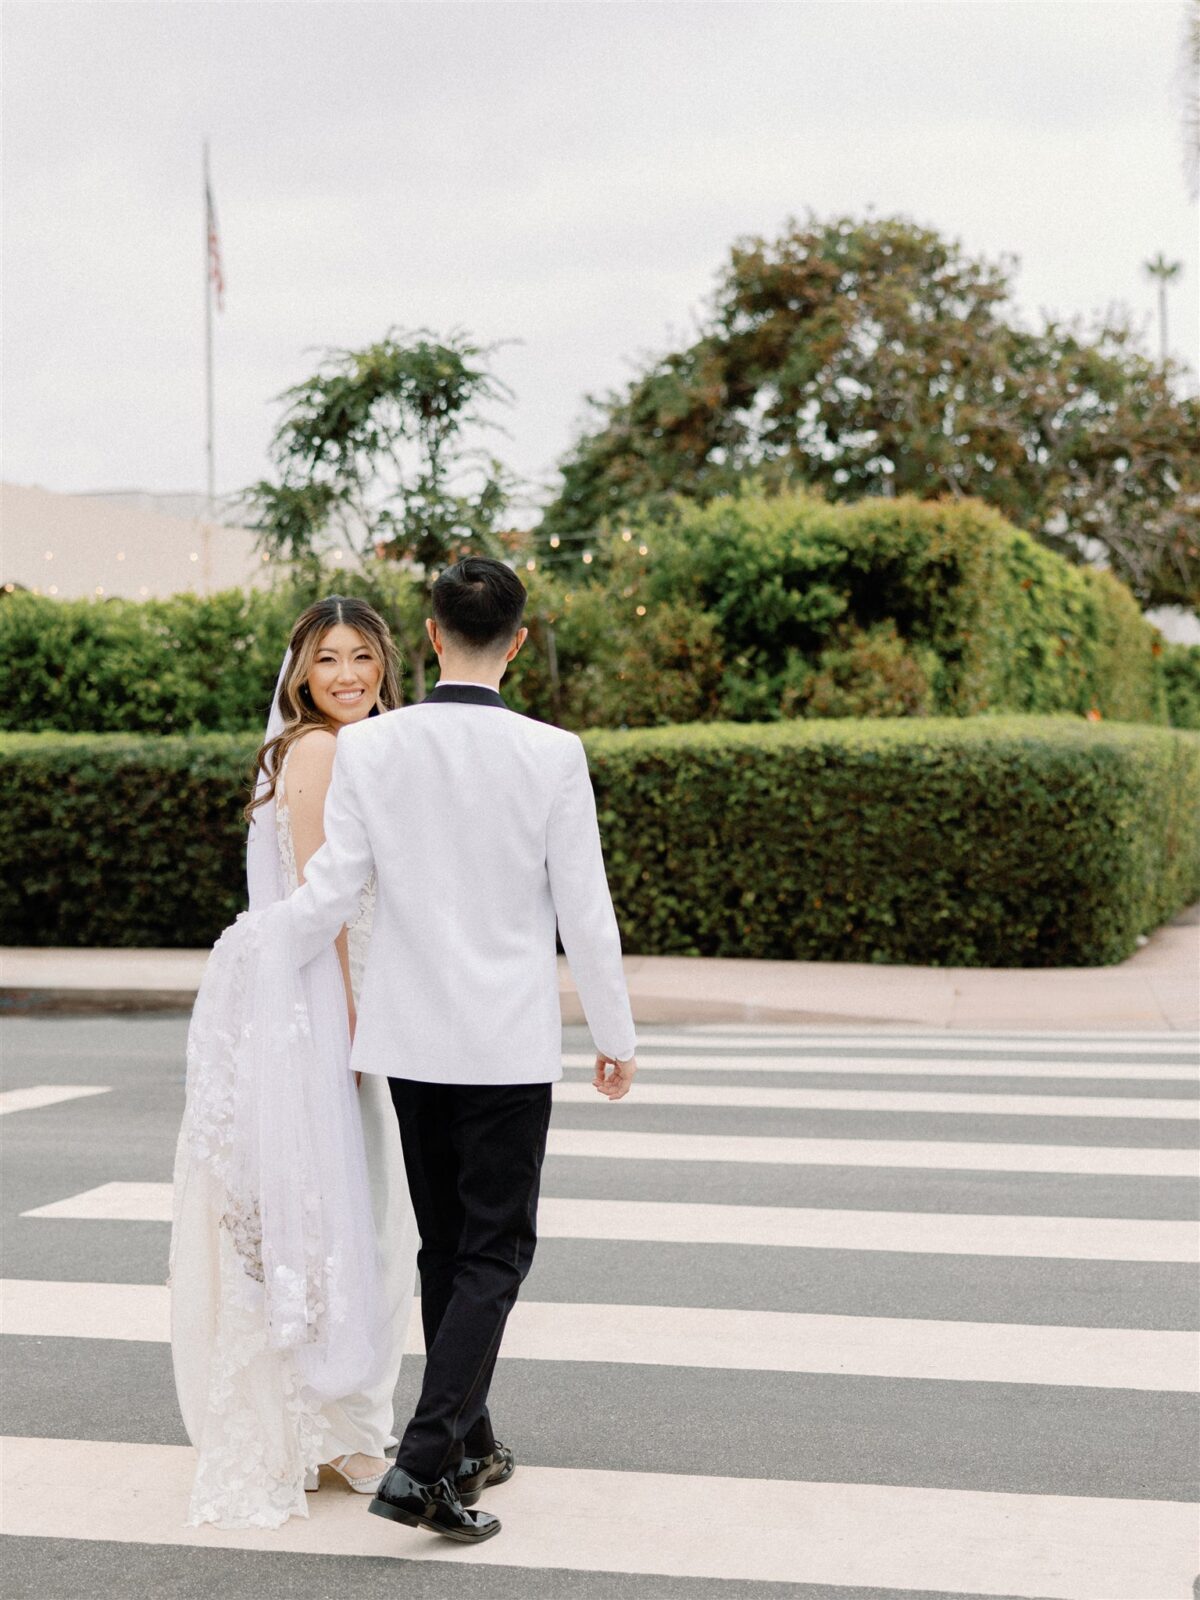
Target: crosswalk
825	1312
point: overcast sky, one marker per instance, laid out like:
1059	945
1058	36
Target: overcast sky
569	175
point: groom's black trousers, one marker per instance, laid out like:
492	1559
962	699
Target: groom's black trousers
473	1155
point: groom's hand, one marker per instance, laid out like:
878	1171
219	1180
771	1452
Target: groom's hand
616	1083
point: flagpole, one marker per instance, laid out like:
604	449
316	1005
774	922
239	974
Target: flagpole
208	340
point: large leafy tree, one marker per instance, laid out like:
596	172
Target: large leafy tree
875	357
370	454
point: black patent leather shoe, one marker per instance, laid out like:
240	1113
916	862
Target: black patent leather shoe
433	1506
477	1473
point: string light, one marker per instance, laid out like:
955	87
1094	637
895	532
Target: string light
531	566
587	558
120	555
99	589
641	611
555	541
626	535
643	549
53	589
49	555
195	556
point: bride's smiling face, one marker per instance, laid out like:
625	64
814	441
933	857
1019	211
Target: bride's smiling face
345	676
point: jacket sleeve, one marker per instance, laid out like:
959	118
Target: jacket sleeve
587	923
334	874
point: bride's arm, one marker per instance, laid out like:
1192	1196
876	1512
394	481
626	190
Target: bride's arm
307	781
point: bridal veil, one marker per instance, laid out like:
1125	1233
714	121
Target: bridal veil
276	1299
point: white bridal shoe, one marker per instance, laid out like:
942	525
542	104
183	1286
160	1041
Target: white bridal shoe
312	1478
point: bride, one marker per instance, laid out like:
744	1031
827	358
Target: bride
293	1242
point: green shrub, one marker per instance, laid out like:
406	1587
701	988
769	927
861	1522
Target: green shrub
868	672
1004	841
884	607
1181	673
751	608
181	665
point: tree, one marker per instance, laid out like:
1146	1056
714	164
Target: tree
867	358
370	452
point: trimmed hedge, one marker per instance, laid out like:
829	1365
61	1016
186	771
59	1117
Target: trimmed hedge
995	841
122	840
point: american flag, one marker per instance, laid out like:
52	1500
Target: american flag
215	275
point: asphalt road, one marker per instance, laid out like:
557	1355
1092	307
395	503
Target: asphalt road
946	1374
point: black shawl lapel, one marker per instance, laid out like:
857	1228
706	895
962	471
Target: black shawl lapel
464	693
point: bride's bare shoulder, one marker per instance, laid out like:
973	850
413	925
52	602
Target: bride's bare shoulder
310	764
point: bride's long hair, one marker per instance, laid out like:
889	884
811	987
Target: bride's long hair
296	703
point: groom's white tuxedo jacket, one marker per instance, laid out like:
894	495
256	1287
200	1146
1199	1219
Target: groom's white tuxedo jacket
480	825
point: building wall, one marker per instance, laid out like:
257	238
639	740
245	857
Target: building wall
76	546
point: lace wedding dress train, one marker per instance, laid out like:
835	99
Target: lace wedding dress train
293	1242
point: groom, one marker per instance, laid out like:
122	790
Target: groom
480	825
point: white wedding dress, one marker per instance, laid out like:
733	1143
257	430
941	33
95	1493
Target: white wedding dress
287	1323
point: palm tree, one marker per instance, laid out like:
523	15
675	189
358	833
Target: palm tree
1165	272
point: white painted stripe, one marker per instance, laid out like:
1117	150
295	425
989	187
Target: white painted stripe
694	1058
951	1038
671	1222
46	1094
1018	1043
1015	1047
112	1202
650	1061
1100	1160
1062	1547
1080	1238
931	1101
35	1309
691	1336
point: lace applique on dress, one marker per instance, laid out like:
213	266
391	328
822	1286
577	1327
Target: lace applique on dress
256	1425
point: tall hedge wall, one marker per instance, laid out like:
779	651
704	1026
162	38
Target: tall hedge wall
992	841
898	605
750	608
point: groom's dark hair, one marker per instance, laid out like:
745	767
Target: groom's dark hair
478	602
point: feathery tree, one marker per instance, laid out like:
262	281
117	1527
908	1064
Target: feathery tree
370	455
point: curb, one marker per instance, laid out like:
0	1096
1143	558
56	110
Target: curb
647	1009
92	1002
